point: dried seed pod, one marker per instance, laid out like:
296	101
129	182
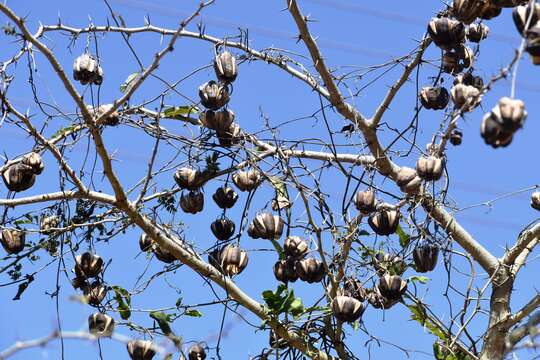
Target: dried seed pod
430	168
389	264
378	301
196	352
192	202
285	271
469	79
467	10
510	114
455	60
267	226
215	120
521	16
35	162
225	197
295	247
13	240
19	177
188	178
456	137
508	3
446	33
100	325
225	67
163	255
230	135
247	180
434	98
425	257
384	222
223	228
477	32
365	202
213	95
532	46
111	120
353	287
493	134
46	223
94	292
88	265
145	242
86	70
392	286
490	11
141	350
465	97
535	200
213	258
232	260
408	180
310	270
347	309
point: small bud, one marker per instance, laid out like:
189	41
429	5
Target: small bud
196	352
456	137
535	200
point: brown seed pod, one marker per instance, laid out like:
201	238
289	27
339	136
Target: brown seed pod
510	114
141	350
389	264
425	257
225	67
233	260
521	15
215	120
378	301
46	223
408	180
164	255
247	180
430	168
465	97
365	202
455	60
285	271
35	162
86	70
196	352
353	287
532	46
294	247
456	137
467	10
225	197
493	134
490	11
392	287
434	98
94	292
13	240
477	32
112	120
145	242
508	3
223	228
229	135
192	202
188	178
535	200
19	177
347	309
446	33
469	79
213	95
384	222
88	265
310	270
100	325
266	226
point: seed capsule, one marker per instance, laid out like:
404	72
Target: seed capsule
392	287
266	226
164	255
521	16
310	270
510	114
46	223
192	202
86	70
213	95
225	197
408	180
446	33
94	292
112	120
247	180
285	271
490	11
535	200
295	247
141	350
276	342
532	46
225	67
378	301
217	120
353	287
145	242
188	178
196	352
232	260
223	228
384	222
425	257
465	97
347	309
365	202
34	161
88	265
429	168
100	325
434	98
467	10
228	134
477	32
456	137
469	79
493	134
19	177
13	241
389	264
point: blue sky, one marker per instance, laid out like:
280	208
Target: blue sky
351	34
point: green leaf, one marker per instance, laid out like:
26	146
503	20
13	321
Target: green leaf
123	299
418	313
193	313
163	321
281	200
63	131
179	112
421	279
296	308
283	301
404	238
130	81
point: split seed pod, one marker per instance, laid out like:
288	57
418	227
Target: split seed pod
88	265
213	95
285	271
465	97
408	180
163	255
46	223
477	32
492	132
223	228
233	260
35	162
378	301
19	177
225	197
434	98
430	168
535	200
425	257
188	178
228	134
347	309
446	33
532	46
490	11
13	240
86	70
510	114
145	242
310	270
196	352
389	264
392	286
467	10
247	180
141	350
112	120
215	120
295	247
353	287
521	16
192	202
365	202
455	60
469	79
266	226
100	325
225	67
94	292
384	222
509	3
